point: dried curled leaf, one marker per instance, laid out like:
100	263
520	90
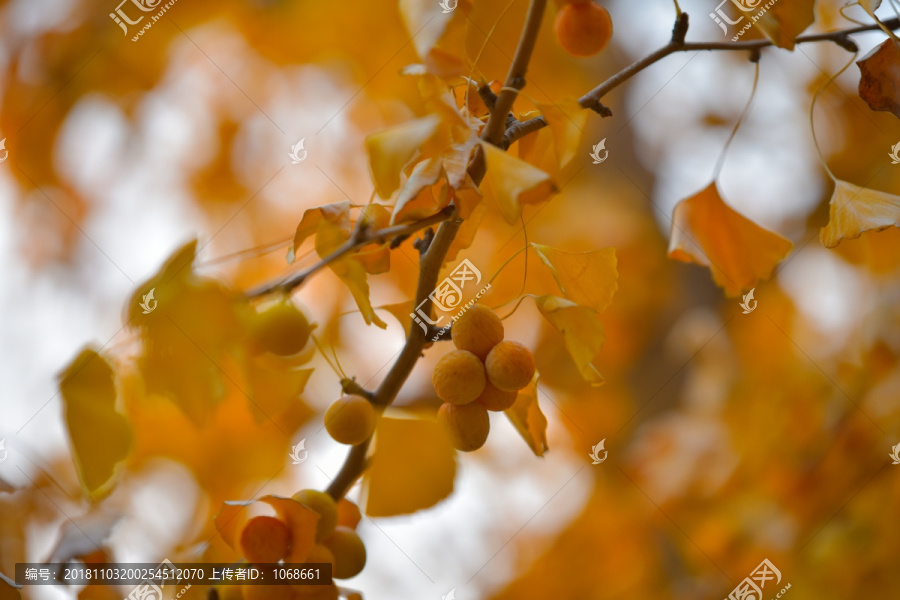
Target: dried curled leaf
587	278
88	392
581	330
528	419
512	182
739	252
854	209
414	455
879	82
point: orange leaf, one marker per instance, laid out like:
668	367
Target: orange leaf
853	210
879	82
309	223
566	122
528	419
412	468
587	278
390	151
739	252
300	520
438	35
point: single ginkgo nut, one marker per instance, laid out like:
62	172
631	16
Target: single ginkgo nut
348	513
510	366
478	330
325	506
468	425
280	328
583	28
350	420
321	554
458	377
493	398
265	540
349	552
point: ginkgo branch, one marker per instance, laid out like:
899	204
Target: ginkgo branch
591	100
433	255
361	236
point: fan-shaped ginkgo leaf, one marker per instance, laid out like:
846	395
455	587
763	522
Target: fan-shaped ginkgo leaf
390	150
438	34
414	455
309	223
854	209
739	252
586	278
566	121
416	199
88	392
581	330
879	81
785	20
512	182
528	419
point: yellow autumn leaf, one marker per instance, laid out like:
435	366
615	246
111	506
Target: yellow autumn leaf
88	392
528	419
739	252
187	328
854	209
390	151
586	278
785	20
416	199
581	330
400	311
272	390
466	233
438	35
566	121
309	223
512	182
414	455
375	258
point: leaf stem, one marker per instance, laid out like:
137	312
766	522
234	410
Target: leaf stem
720	163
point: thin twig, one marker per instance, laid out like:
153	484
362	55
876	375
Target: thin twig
591	100
359	238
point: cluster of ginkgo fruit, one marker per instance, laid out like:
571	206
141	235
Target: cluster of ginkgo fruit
484	373
583	28
266	539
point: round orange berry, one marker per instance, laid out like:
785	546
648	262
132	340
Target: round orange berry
496	399
510	366
458	377
478	330
265	540
468	425
583	28
350	420
349	552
